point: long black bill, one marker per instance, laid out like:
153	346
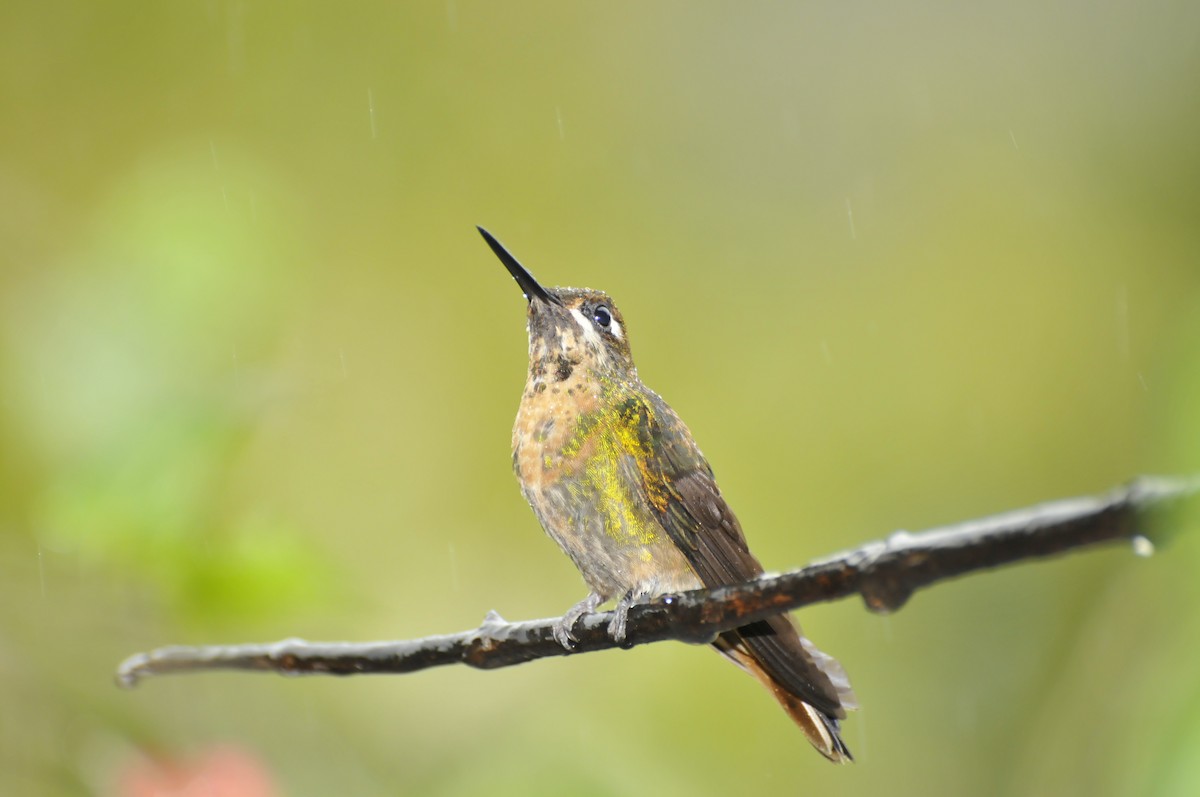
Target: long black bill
529	286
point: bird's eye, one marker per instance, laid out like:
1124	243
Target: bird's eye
602	315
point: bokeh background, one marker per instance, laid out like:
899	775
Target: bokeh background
897	266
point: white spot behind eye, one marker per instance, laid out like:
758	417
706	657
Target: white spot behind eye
589	331
615	329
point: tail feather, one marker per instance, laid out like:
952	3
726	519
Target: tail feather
822	730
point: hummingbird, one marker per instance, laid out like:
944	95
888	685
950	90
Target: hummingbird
616	479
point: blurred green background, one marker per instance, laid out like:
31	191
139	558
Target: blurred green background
897	266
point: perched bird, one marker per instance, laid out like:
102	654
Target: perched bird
616	480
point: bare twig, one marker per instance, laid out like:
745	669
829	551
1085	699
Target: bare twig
885	573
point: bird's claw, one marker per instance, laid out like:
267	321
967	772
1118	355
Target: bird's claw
563	634
563	630
616	626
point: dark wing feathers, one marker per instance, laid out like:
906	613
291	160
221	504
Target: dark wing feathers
695	515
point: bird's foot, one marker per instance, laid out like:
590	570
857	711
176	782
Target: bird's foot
563	629
616	626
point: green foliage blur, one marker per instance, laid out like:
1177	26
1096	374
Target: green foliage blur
897	265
